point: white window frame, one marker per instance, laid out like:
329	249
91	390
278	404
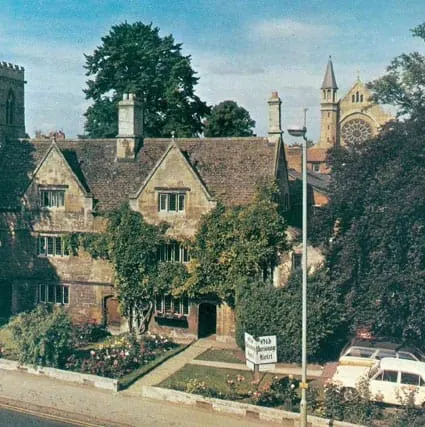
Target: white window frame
53	294
179	306
51	246
52	198
172	201
315	167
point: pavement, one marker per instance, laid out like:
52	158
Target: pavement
85	405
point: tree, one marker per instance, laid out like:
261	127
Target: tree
236	243
134	58
228	119
376	225
404	83
130	244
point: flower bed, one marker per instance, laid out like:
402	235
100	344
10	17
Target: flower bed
119	355
272	391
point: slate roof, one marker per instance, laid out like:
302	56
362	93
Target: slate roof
318	181
230	168
329	81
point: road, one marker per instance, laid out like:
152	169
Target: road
14	418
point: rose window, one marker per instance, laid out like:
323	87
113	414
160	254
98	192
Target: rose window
356	131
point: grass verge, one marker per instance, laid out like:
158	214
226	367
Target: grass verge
223	381
222	355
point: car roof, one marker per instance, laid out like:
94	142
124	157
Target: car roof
388	345
411	366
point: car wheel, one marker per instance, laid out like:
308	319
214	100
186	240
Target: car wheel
349	393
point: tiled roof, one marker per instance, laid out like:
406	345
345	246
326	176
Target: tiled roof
230	168
317	154
318	181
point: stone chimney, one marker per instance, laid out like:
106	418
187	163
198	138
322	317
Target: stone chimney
275	118
130	127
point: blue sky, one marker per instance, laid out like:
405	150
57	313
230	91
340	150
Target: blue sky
242	49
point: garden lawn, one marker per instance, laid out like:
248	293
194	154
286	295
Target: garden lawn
223	381
222	355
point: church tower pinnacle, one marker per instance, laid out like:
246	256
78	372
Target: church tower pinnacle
329	108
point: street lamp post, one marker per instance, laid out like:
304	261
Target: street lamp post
297	132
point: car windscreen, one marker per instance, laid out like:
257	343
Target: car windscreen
406	355
359	352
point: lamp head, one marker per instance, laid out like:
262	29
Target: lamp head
297	131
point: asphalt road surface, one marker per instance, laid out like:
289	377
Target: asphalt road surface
9	418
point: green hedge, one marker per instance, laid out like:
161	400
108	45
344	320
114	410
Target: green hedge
262	309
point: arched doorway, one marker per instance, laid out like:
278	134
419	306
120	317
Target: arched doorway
207	319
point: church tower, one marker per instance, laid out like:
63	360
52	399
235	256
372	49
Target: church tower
12	102
329	109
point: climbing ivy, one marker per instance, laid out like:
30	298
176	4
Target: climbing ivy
237	242
232	243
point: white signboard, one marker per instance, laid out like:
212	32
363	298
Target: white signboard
266	350
261	351
250	346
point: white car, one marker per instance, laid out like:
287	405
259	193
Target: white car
368	356
390	380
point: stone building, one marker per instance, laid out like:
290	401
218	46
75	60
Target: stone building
354	118
12	102
50	188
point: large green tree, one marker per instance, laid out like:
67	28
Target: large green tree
403	84
228	119
375	222
135	58
376	226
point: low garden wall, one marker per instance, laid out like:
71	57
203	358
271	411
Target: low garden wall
286	418
59	374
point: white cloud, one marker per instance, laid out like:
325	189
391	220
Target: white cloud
289	29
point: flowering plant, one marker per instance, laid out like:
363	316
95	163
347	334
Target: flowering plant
119	355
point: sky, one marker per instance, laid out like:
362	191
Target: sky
242	50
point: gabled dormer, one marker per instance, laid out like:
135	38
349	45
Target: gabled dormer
55	187
173	193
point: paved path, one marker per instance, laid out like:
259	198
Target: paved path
279	369
170	367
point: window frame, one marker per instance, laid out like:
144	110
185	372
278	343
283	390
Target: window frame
47	246
172	201
168	252
52	198
48	293
167	304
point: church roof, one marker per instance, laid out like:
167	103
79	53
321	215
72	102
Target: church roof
230	168
329	81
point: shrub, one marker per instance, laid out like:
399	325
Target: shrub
350	405
88	333
262	309
42	336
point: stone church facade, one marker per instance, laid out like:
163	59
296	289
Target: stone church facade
352	119
49	188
